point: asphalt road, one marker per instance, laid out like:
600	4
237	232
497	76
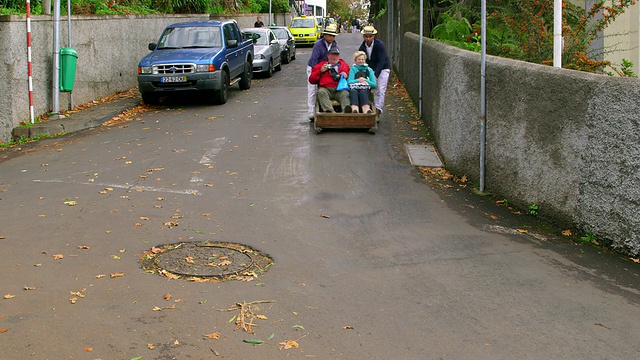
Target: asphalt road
370	260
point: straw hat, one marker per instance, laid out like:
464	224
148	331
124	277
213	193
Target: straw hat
369	30
331	29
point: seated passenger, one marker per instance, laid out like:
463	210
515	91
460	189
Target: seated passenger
361	80
326	75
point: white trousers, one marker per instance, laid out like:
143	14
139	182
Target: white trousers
311	93
381	89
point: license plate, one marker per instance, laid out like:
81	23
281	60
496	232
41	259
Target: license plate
173	79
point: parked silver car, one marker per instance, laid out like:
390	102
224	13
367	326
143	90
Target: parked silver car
266	48
287	43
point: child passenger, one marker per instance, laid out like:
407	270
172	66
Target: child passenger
361	80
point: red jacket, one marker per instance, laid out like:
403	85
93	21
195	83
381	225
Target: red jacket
325	79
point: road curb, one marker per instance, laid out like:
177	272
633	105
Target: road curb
78	120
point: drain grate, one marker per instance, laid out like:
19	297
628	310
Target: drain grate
423	155
205	261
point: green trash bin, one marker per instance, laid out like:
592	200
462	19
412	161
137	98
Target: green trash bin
68	60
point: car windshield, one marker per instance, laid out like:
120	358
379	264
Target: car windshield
280	33
302	23
190	37
259	38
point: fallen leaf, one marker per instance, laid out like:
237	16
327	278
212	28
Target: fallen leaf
261	317
167	297
347	327
253	341
85	247
9	296
58	256
78	293
567	233
3	330
73	300
171	224
70	203
522	231
297	327
29	287
289	344
115	275
325	216
215	335
100	276
157	308
635	260
150	346
87	349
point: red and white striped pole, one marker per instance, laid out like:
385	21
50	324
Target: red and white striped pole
29	68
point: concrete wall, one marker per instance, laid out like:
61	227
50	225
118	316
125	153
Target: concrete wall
247	20
565	140
108	47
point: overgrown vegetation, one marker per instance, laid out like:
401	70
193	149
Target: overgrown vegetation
113	7
523	30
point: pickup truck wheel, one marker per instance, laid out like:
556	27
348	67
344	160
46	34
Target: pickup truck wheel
150	98
270	69
245	78
220	96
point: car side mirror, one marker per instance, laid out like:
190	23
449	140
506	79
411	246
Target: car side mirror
275	42
152	46
232	43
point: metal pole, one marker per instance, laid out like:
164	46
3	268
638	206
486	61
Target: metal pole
270	13
69	43
483	100
557	33
390	25
56	57
420	59
29	67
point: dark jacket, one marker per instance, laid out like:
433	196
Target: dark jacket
378	60
320	51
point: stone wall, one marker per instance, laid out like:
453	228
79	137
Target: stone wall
565	140
109	48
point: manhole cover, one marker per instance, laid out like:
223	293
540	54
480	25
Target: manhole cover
206	261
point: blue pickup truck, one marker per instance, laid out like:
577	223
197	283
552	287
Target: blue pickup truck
205	57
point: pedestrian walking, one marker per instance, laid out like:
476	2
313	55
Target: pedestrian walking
378	61
319	53
354	25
